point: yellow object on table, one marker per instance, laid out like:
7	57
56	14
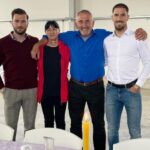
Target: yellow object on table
86	133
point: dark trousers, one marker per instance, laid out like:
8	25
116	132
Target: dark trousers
53	109
94	96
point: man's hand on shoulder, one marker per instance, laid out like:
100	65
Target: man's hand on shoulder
140	34
35	52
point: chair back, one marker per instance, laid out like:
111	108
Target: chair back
133	144
6	132
61	137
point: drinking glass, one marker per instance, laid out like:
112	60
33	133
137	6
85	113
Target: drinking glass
49	143
26	147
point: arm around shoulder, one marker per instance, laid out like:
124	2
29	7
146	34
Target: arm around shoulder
140	34
35	49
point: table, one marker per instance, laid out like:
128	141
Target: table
10	145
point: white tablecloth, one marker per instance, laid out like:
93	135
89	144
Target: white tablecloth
9	145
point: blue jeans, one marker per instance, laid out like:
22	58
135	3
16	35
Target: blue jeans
116	99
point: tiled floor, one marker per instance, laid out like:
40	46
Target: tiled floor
123	129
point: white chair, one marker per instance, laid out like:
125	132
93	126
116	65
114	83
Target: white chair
133	144
61	137
6	132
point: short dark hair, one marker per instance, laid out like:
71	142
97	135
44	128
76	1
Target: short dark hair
51	23
19	11
121	5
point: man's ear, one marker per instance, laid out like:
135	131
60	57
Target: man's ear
10	22
75	24
128	17
93	22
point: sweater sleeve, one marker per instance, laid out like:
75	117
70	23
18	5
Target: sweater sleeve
1	62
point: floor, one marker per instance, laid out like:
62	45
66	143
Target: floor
123	129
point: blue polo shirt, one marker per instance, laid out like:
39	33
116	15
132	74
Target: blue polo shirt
87	57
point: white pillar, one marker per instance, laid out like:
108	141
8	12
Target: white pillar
74	7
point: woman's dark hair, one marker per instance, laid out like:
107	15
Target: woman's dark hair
51	23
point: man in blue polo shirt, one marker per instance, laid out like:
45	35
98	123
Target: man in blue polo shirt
87	71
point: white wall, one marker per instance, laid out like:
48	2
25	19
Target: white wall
101	8
51	9
37	9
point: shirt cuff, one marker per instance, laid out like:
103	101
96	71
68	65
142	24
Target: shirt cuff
45	37
140	83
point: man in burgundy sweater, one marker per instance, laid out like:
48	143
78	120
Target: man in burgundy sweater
20	73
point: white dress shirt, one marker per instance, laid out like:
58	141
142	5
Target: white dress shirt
123	55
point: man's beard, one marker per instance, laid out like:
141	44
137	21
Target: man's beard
120	27
20	32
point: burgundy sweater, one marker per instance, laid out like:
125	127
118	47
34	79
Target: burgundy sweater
20	70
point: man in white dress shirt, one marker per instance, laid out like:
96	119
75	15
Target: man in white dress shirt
123	55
